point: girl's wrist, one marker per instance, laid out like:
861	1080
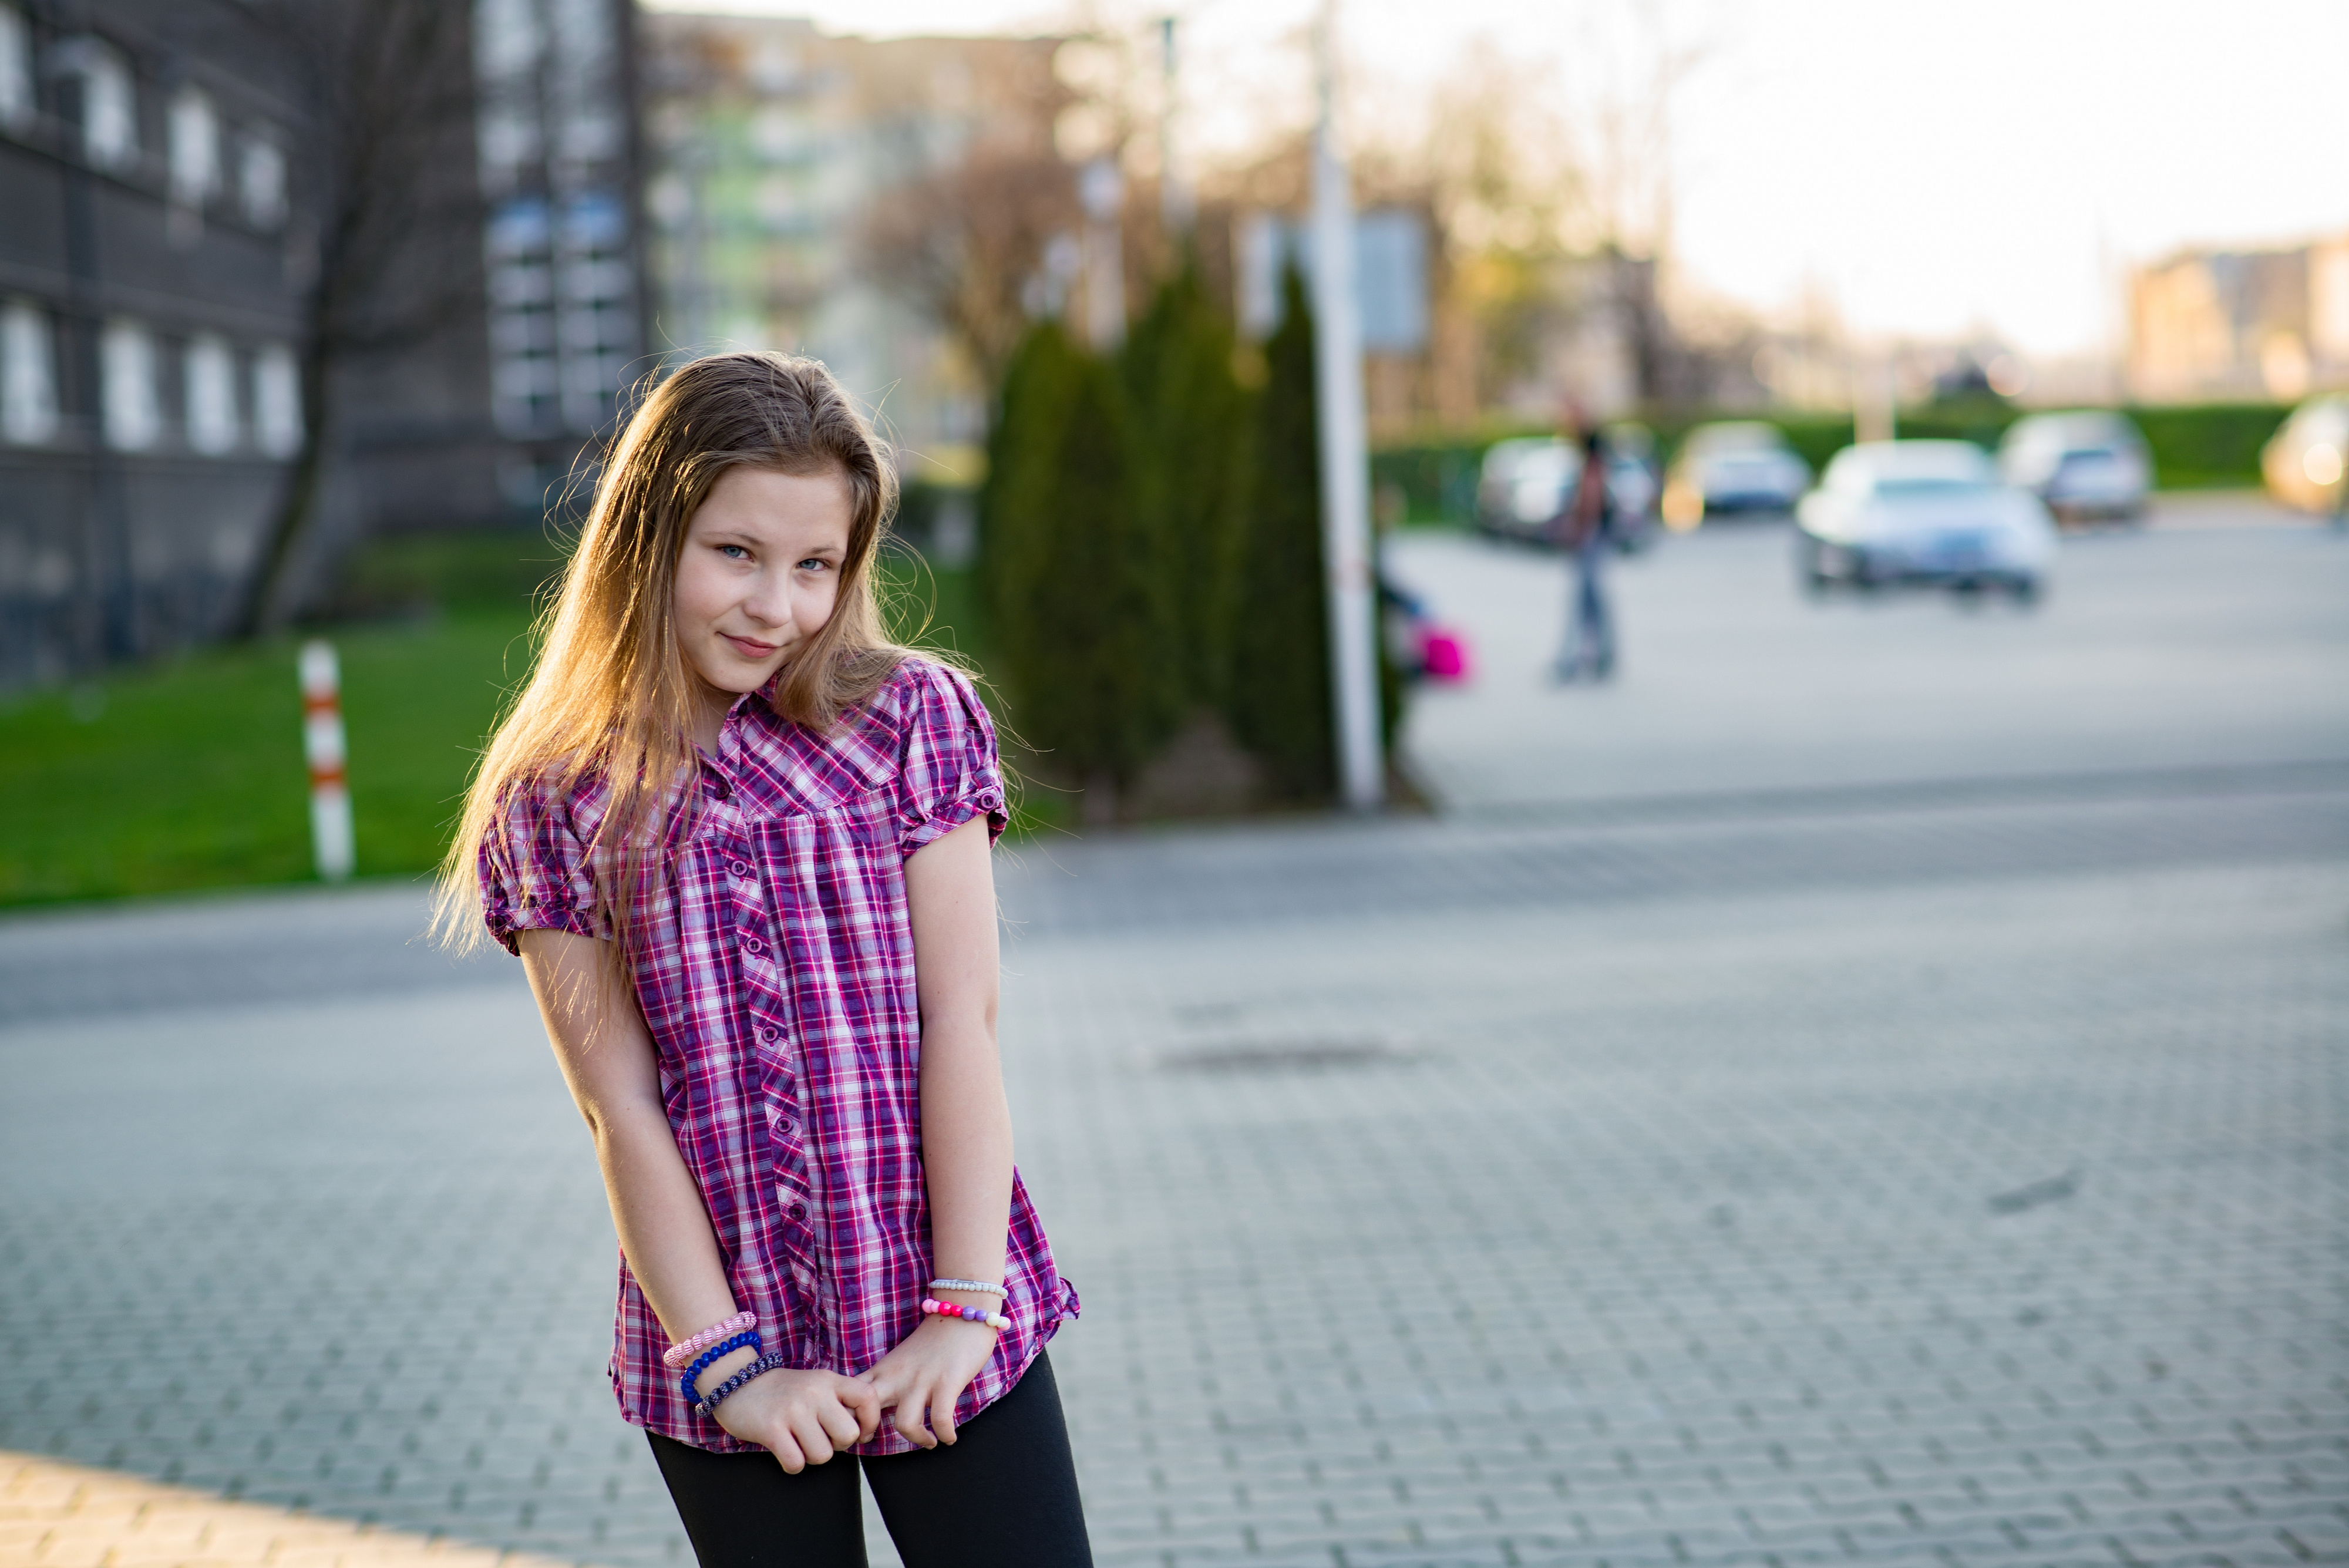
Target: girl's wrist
725	1366
982	1290
978	1307
988	1315
969	1298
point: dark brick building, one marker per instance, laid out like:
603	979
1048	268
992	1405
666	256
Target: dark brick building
150	285
158	241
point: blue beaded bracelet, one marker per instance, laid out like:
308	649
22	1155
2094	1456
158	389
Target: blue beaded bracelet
771	1361
748	1336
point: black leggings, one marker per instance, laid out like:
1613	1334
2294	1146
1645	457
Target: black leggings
1004	1493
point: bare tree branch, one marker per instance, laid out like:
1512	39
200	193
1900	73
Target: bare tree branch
965	243
391	218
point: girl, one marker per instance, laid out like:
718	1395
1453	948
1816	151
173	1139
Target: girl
741	843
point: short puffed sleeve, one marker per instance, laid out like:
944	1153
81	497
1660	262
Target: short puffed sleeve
947	769
534	868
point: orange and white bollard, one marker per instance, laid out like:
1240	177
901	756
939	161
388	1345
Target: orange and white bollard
322	743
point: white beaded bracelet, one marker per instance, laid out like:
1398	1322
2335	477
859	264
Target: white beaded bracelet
979	1285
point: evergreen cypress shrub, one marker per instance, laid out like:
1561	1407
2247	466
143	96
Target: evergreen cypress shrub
1191	414
1076	580
1279	702
1017	498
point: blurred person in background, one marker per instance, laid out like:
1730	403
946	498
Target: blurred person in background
1588	650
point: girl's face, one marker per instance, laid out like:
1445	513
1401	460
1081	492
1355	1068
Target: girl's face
760	575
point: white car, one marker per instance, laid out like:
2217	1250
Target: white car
1525	484
2087	464
1739	466
1923	512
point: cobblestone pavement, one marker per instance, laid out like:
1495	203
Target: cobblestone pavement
1937	1172
1988	1221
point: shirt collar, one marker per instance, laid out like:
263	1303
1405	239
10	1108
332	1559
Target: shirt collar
744	710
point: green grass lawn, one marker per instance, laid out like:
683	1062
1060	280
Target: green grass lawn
190	774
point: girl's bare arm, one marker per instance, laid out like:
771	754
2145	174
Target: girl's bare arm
966	1124
608	1059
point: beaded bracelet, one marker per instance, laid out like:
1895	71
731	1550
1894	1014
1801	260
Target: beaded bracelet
771	1361
685	1350
994	1320
981	1286
749	1337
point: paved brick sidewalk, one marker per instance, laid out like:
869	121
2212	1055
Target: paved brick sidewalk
2000	1222
1636	1230
55	1515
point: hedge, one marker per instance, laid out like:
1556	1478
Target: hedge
2210	444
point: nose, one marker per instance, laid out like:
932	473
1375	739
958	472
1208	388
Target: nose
769	601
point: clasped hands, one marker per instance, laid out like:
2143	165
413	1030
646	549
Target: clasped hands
805	1418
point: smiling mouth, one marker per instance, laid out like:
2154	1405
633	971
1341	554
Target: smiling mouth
749	649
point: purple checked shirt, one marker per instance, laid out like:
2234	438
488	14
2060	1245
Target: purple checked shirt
777	977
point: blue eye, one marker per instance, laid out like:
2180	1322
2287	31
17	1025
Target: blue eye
734	552
816	564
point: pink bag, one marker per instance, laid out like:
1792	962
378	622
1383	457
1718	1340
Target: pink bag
1443	654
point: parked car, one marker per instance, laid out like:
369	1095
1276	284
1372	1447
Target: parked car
1923	512
2304	462
1736	467
1525	483
2088	464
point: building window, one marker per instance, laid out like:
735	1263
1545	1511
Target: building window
110	103
134	415
276	401
17	101
562	287
261	180
28	374
524	376
780	135
594	330
212	396
195	151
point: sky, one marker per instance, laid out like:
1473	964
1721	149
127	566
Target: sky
1934	169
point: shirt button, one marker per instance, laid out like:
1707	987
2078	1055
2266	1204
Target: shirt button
738	867
798	1211
784	1125
754	945
769	1034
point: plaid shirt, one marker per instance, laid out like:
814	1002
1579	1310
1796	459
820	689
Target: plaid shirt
777	978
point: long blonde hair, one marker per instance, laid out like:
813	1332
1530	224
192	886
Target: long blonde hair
611	697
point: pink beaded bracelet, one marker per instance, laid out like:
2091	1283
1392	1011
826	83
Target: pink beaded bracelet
678	1355
994	1320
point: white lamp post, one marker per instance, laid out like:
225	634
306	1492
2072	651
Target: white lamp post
1345	452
